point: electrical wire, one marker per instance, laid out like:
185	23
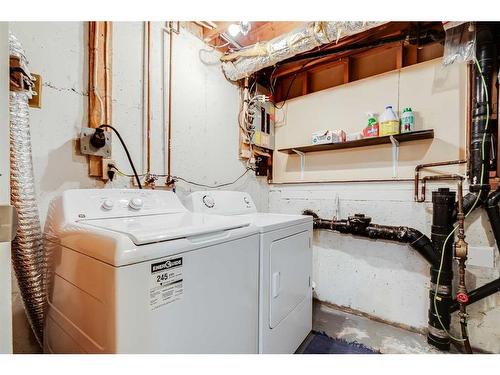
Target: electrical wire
186	180
126	152
213	186
485	86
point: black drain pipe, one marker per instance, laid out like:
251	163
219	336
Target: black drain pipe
481	130
442	224
443	204
480	142
492	287
444	211
360	225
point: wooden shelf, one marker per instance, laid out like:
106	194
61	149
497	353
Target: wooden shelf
406	137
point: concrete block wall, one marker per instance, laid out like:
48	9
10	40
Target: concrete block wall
389	281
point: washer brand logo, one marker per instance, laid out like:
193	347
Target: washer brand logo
166	264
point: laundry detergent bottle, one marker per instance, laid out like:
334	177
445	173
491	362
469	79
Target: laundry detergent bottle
407	121
389	122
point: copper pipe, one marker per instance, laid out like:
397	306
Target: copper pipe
435	178
169	136
460	250
430	165
107	97
148	99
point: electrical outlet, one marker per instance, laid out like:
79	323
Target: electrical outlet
36	99
105	167
86	148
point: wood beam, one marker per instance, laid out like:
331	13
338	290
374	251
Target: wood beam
265	31
99	87
209	35
347	70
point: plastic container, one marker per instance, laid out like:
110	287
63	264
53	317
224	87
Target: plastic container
389	122
328	136
407	121
372	128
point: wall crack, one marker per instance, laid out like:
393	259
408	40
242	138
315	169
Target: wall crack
62	89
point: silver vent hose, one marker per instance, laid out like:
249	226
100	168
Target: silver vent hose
27	248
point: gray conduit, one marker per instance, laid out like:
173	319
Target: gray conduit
27	248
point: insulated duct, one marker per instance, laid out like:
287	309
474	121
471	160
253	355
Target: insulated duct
27	248
246	61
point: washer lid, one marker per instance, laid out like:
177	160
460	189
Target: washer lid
156	228
267	222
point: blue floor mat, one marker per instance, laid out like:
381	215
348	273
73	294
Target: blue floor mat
320	343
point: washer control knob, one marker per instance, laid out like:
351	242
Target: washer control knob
136	203
208	201
108	204
246	200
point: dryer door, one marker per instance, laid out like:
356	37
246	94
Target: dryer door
290	271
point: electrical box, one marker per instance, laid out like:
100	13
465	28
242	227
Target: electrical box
263	122
36	99
86	147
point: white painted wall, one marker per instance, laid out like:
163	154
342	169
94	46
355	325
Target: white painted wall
384	279
5	269
204	112
204	109
437	95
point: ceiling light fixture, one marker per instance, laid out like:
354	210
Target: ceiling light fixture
242	27
233	29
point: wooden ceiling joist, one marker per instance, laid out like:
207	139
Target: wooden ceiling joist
260	31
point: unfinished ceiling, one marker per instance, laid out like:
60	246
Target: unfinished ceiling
260	31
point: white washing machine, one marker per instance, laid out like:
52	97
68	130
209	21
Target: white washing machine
132	271
285	296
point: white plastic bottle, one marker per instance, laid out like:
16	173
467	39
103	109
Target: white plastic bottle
407	120
389	122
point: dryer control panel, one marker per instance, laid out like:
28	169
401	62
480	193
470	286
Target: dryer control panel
220	202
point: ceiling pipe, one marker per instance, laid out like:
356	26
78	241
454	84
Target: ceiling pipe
248	60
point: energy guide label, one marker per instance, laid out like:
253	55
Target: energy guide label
166	282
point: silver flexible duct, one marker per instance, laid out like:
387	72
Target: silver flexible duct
27	248
246	61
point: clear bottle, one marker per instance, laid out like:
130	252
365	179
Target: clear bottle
389	122
407	121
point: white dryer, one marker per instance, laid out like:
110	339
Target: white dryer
132	271
285	296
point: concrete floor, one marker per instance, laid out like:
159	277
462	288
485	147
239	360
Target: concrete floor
378	336
375	335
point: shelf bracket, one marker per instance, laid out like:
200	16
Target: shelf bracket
302	162
395	156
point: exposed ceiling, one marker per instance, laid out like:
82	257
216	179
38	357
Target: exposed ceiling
259	31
